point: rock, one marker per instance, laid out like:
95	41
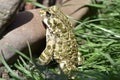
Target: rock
5	74
75	8
27	26
29	5
7	11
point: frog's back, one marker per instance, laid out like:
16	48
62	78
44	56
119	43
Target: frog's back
66	50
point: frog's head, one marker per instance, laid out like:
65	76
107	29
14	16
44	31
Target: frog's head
55	20
49	12
50	16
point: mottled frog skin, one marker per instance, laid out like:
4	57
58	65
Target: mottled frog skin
61	44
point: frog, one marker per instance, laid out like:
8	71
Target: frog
61	43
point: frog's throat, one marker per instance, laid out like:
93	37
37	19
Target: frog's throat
45	21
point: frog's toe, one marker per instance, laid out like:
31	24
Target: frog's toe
43	62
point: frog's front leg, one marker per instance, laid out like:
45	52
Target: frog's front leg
47	55
66	66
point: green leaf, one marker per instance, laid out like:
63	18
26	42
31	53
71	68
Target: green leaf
36	3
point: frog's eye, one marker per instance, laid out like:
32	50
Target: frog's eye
48	14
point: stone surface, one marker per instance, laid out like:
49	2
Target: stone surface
75	8
7	11
27	26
